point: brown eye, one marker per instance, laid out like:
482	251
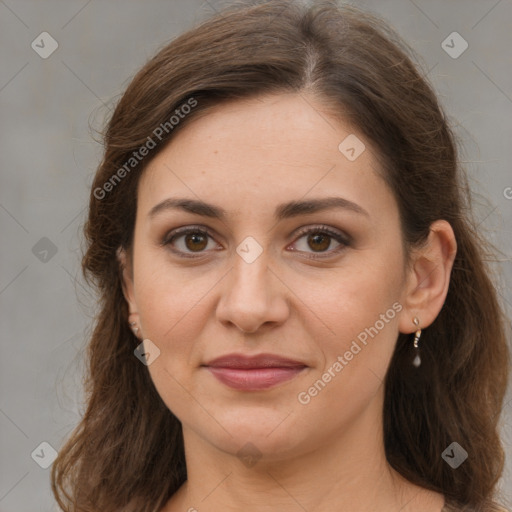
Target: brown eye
196	241
188	241
318	240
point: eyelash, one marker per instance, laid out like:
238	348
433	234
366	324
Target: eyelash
344	240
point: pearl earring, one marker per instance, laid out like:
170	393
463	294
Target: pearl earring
134	328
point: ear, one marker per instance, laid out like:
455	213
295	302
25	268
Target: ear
127	279
428	277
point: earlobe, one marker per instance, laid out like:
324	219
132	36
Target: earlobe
429	277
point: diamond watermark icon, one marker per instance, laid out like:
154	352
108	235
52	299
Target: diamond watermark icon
44	455
454	45
147	352
249	455
44	250
351	147
44	45
455	455
249	250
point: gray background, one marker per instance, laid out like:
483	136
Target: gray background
48	155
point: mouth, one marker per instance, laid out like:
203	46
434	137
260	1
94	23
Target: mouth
254	373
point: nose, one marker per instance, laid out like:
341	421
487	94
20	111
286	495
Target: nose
253	296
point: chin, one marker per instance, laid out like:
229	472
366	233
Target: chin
270	434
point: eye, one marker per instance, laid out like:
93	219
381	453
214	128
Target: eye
194	239
191	240
320	239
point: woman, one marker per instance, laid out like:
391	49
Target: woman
295	313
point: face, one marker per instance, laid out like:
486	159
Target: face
255	273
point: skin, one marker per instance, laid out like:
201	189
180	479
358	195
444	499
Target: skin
327	454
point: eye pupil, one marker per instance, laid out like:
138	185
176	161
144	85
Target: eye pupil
317	238
195	237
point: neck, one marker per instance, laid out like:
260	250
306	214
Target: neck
347	473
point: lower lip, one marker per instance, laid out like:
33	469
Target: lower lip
254	379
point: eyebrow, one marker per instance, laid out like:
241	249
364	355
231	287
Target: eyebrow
282	211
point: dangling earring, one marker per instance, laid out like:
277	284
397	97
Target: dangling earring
417	359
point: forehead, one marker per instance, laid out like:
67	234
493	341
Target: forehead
258	152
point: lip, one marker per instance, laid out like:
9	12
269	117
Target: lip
241	361
254	373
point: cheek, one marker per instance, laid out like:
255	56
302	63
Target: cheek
355	358
165	302
361	309
172	317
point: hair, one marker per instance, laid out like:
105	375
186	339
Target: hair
127	451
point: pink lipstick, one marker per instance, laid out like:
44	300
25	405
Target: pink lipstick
254	373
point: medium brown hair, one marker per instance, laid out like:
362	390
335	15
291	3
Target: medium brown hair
127	451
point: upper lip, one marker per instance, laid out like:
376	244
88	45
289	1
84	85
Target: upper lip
258	361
